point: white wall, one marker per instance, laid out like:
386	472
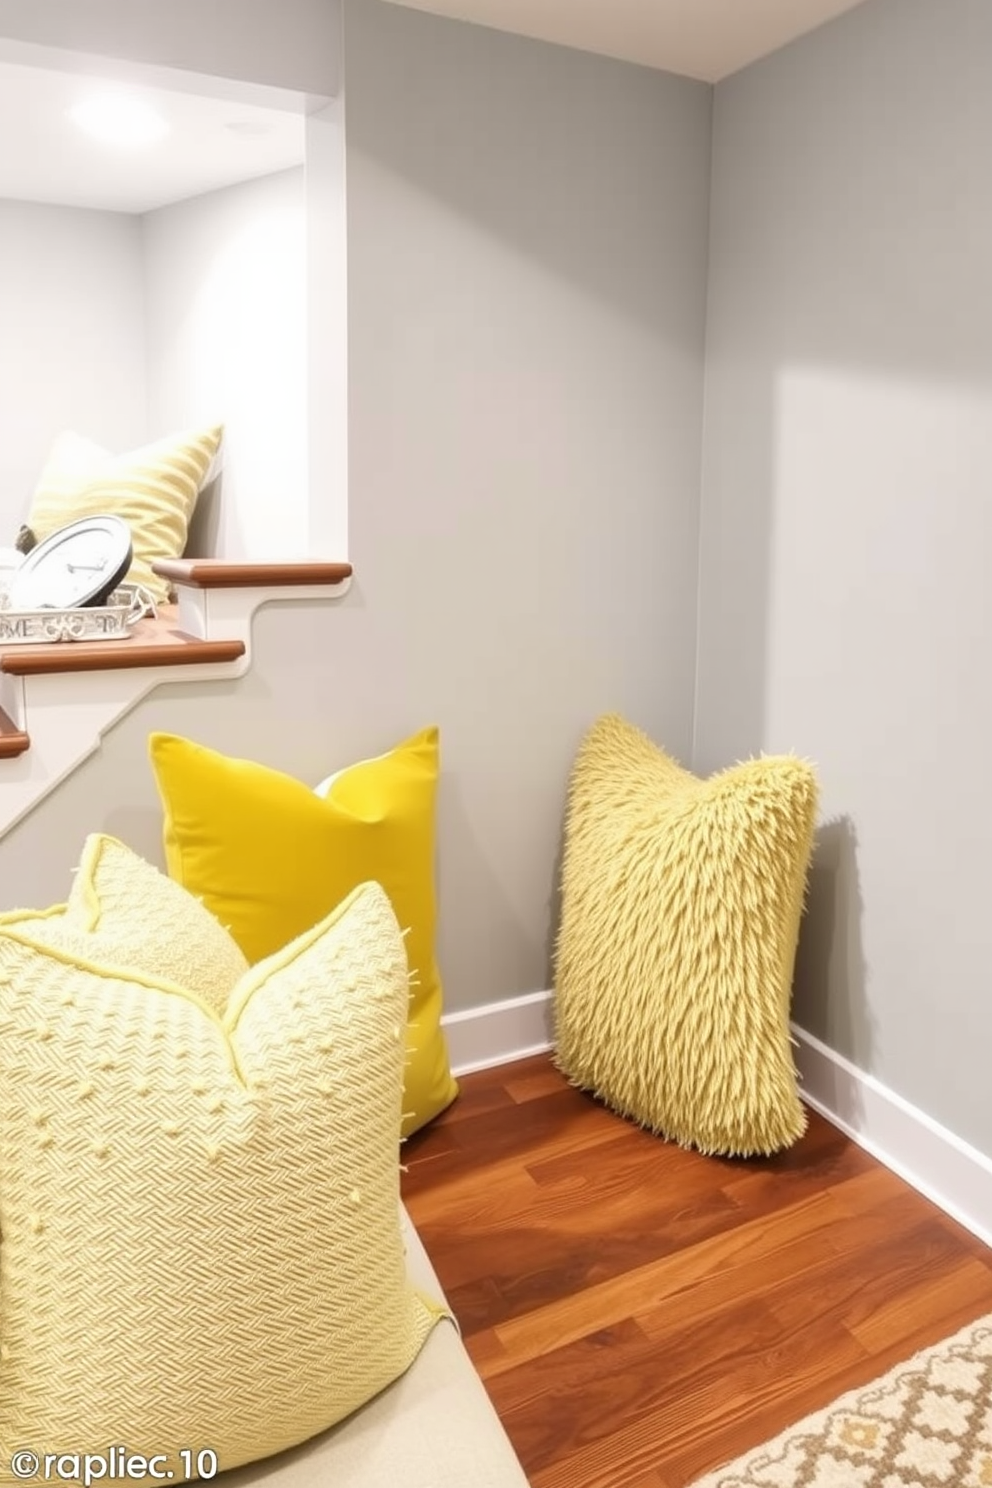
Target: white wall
125	328
526	310
72	352
294	45
226	315
847	526
327	330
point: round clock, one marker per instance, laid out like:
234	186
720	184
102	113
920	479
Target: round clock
79	565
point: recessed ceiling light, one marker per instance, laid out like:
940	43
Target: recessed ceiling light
119	119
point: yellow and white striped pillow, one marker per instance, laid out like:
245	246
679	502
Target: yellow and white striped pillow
153	489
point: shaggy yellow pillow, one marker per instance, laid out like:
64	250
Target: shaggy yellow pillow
201	1226
268	856
680	915
122	912
153	489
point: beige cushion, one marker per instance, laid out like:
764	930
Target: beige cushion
153	489
435	1427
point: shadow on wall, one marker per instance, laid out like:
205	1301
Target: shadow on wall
554	904
826	256
830	998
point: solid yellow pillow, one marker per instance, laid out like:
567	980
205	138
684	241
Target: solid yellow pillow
681	902
201	1223
122	912
269	857
153	489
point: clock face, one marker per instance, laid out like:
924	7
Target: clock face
79	565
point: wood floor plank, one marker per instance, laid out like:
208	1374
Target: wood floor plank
482	1092
640	1313
709	1376
959	1294
531	1265
707	1275
695	1431
555	1124
886	1281
530	1083
539	1246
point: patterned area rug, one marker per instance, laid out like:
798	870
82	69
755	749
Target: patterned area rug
925	1424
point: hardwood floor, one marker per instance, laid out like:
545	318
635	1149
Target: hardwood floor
640	1313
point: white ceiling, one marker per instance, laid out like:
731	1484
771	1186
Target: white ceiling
211	142
234	135
704	39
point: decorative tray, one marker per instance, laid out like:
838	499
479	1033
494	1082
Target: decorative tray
111	621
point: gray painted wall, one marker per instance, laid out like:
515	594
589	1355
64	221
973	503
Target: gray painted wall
527	260
846	521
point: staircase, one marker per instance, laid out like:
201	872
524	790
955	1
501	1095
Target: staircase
57	700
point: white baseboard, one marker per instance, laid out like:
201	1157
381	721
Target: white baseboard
954	1175
499	1032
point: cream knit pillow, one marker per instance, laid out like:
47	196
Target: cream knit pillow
122	912
201	1233
152	489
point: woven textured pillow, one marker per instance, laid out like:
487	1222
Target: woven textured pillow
122	912
201	1233
153	489
269	857
681	904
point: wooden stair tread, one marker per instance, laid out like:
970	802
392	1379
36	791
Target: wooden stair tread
153	642
219	573
13	740
181	636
